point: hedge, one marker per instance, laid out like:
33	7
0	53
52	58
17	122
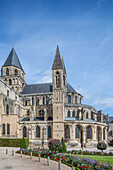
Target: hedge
9	142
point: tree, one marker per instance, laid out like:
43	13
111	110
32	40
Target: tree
23	144
63	149
101	146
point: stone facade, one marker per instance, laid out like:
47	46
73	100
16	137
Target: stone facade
44	111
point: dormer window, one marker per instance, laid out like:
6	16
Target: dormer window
69	99
57	79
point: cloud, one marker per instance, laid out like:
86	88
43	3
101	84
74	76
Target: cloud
103	103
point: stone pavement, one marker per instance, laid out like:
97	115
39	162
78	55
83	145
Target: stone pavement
7	161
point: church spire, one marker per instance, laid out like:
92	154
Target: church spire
13	60
57	64
63	65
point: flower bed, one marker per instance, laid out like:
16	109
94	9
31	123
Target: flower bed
68	159
90	153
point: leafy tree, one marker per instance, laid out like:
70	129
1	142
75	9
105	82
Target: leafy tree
23	144
101	146
63	149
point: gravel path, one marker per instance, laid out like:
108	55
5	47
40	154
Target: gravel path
7	161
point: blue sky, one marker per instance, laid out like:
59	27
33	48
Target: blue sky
83	29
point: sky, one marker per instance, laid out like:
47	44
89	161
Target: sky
83	29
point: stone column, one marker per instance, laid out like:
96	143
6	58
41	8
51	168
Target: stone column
72	132
84	135
45	114
45	135
94	133
102	133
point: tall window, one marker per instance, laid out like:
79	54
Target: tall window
104	134
77	114
86	115
64	80
49	132
3	129
69	99
16	71
38	132
68	113
7	71
24	131
10	82
77	132
73	114
89	133
8	93
8	129
67	132
7	109
26	103
32	101
75	99
57	79
43	100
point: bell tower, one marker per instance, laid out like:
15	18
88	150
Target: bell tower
12	72
58	96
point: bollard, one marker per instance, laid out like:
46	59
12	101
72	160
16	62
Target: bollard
48	161
38	157
6	151
59	165
31	155
12	152
21	153
73	168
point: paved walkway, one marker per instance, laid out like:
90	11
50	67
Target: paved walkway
25	163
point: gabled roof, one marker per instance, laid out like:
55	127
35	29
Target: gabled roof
57	63
43	88
13	60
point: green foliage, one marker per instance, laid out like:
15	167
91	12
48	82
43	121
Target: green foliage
101	146
9	142
23	144
54	145
64	149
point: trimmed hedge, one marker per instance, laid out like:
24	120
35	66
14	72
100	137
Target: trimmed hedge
9	142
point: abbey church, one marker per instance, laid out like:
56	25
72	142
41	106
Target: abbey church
49	110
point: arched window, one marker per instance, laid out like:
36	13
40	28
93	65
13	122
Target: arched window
77	132
32	101
104	134
7	71
75	99
16	71
67	132
86	115
57	79
26	103
3	129
68	113
8	129
64	80
69	99
41	113
24	131
8	93
38	132
89	133
92	115
73	114
7	109
10	82
49	132
43	101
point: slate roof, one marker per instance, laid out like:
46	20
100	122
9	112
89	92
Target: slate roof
43	88
57	63
13	60
110	119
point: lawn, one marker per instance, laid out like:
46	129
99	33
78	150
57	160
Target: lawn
104	159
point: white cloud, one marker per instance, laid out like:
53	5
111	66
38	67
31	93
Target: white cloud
103	103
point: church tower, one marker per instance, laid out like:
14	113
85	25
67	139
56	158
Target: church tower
12	72
59	86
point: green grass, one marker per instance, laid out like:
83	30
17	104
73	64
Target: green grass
104	159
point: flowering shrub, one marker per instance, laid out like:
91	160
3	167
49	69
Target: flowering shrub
55	145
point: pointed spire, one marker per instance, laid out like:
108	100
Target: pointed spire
13	60
57	64
64	69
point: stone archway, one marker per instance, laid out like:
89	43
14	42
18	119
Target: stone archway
67	132
79	133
